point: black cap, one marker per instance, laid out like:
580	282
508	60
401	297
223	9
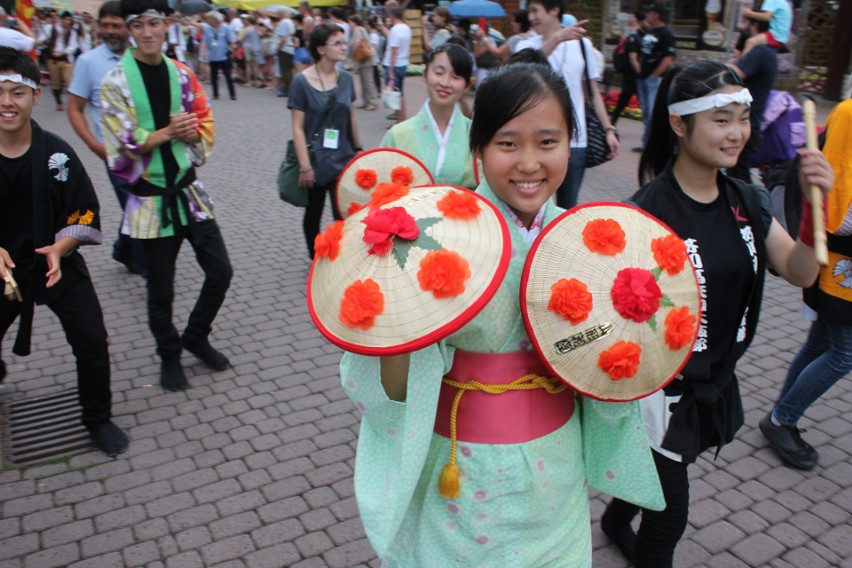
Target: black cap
658	8
65	14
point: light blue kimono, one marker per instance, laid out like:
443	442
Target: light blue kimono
417	137
521	505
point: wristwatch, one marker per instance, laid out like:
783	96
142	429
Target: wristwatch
611	128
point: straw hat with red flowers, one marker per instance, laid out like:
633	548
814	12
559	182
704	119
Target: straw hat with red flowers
611	301
410	267
374	172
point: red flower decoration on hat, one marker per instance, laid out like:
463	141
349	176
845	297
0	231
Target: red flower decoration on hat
387	193
327	244
366	179
362	302
385	224
621	361
402	175
459	205
570	299
670	253
444	272
354	207
680	328
636	294
604	236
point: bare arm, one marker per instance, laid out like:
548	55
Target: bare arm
395	376
568	33
603	116
300	143
760	16
663	66
634	61
77	117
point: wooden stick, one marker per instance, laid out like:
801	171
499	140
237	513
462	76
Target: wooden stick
11	289
820	244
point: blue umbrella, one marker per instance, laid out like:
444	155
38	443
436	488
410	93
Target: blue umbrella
476	9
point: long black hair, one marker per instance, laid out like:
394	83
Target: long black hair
510	91
680	84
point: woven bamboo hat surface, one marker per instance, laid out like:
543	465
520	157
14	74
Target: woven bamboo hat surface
610	301
408	291
382	162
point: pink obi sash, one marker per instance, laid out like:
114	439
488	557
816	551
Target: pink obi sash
512	417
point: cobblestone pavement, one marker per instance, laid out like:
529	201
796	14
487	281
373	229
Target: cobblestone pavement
252	467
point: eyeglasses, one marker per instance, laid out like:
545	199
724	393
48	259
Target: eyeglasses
336	43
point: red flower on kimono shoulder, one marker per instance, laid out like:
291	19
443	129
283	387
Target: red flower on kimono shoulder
382	225
459	205
621	361
604	236
670	253
387	193
680	328
362	302
327	244
365	178
570	299
636	294
444	273
402	175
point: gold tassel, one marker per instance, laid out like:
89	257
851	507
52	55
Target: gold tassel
448	484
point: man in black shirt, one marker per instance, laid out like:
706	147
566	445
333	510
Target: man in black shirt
758	70
48	208
656	56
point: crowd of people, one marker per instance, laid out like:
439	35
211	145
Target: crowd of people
523	146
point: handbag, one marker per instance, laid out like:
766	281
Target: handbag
363	52
289	189
597	148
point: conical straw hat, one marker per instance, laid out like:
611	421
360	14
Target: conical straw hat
368	170
611	301
435	257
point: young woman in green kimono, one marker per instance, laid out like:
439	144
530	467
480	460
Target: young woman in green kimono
520	498
438	134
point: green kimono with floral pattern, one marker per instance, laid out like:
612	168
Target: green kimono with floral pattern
521	505
417	137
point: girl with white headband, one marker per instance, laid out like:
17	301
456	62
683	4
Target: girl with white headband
697	131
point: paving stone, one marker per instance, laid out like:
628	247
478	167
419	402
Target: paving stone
98	505
46	519
126	517
192	517
193	538
111	560
234	525
313	544
18	546
105	542
66	533
284	554
9	528
757	549
141	554
228	549
190	559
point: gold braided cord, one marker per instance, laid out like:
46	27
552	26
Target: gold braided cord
527	382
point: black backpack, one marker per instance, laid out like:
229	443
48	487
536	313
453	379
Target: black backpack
620	61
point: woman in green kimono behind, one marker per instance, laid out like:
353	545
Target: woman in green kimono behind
438	134
520	499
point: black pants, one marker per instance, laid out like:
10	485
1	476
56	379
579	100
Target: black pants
160	257
659	531
79	312
285	65
313	212
628	89
225	66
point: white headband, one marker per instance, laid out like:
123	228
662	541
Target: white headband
707	102
18	78
150	12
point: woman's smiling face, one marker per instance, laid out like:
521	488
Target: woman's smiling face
527	159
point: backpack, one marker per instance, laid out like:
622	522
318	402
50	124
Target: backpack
619	57
783	129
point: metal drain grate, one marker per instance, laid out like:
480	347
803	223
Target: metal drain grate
45	428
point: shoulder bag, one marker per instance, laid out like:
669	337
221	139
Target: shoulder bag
597	148
289	189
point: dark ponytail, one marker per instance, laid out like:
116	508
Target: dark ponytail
680	84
